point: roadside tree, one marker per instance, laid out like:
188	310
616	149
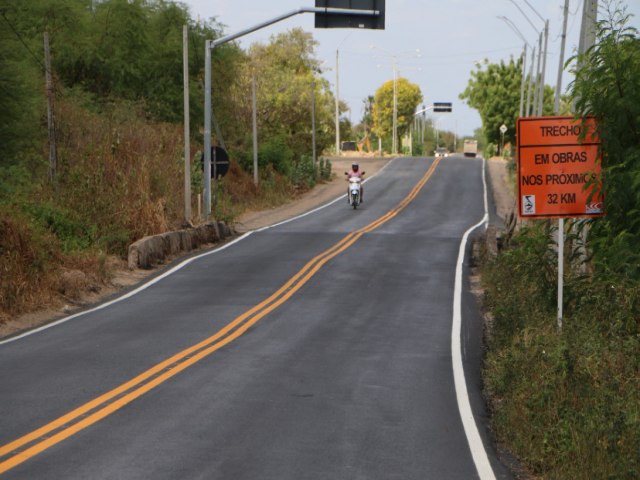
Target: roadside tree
494	90
607	86
287	74
409	97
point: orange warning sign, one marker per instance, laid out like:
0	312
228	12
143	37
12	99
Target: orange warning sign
558	171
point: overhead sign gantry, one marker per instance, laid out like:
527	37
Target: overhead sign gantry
368	14
348	19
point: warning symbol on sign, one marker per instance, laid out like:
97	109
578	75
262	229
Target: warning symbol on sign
594	207
529	204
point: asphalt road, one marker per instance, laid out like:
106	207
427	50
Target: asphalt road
317	349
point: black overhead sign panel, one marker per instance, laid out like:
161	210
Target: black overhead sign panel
346	20
441	106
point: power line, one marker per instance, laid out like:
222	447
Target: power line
37	59
449	55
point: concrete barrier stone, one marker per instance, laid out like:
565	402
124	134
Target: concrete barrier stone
171	243
154	249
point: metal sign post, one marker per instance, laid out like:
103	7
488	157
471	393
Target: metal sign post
557	162
207	129
187	146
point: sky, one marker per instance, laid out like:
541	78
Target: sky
436	44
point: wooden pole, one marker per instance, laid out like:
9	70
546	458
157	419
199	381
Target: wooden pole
313	121
255	131
53	156
187	133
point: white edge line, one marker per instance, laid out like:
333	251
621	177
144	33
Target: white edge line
486	199
155	280
142	287
478	452
341	197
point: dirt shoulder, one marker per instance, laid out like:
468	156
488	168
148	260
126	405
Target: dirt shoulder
497	170
502	186
319	195
124	278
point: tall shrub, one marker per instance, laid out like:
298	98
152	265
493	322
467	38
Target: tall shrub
607	86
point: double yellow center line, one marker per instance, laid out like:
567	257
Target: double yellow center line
31	444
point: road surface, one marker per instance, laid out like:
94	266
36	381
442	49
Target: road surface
320	348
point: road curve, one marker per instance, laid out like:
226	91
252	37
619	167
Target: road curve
319	348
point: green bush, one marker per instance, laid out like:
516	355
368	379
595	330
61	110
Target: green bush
28	256
607	87
116	241
304	173
490	150
15	184
325	169
66	225
275	152
565	403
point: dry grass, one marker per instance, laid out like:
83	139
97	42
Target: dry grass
24	258
120	178
123	173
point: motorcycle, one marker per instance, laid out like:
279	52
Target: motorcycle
353	193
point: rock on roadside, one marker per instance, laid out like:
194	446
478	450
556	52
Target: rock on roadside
156	249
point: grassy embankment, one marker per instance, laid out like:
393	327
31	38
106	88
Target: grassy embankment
567	403
120	177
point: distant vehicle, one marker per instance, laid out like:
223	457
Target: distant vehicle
348	146
441	152
470	148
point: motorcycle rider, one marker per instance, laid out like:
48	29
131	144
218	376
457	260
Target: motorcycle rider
355	172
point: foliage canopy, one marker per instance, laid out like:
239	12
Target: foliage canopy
408	98
494	90
607	86
118	110
287	75
566	402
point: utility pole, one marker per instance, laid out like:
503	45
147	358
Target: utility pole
395	108
561	220
338	92
455	139
542	62
588	28
413	127
527	111
313	120
517	31
337	103
587	40
536	91
556	105
544	68
53	155
255	131
187	133
367	19
524	70
207	129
